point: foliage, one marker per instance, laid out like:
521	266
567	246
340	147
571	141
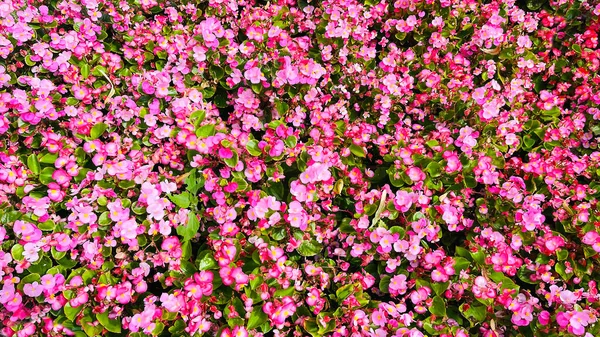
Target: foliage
323	168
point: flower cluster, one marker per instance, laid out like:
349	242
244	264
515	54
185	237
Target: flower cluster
292	168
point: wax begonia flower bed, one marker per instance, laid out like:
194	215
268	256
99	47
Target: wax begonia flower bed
293	168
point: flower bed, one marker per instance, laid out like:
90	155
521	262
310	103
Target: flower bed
325	168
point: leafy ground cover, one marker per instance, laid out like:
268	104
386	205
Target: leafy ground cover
326	168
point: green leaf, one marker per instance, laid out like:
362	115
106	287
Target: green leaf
432	143
291	141
188	268
233	161
158	329
186	250
281	107
343	292
49	158
438	307
328	327
384	284
434	169
85	70
46	175
190	229
177	328
357	151
397	229
17	252
562	254
47	225
205	131
197	117
206	261
98	130
33	164
460	263
56	254
284	292
310	325
111	325
28	61
28	279
220	100
216	72
71	312
208	92
182	200
478	257
440	288
476	311
252	148
257	317
90	329
309	248
257	88
561	270
41	265
242	184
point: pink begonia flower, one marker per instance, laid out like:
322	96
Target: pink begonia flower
404	200
225	153
86	214
315	173
239	331
39	206
313	297
378	318
129	229
171	302
398	285
254	75
453	162
48	282
55	193
31	252
544	317
14	302
7	292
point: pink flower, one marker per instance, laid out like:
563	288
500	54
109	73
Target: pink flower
544	317
378	318
313	297
129	229
254	75
225	153
240	331
239	276
47	282
404	200
7	293
14	302
438	275
453	162
398	285
275	253
315	173
416	174
171	302
86	214
579	321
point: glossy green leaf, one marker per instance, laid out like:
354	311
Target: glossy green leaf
357	151
109	324
438	307
309	248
